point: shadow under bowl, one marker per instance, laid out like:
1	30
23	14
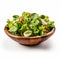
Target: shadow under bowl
29	41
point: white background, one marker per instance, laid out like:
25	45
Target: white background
11	50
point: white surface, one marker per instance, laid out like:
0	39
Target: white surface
11	50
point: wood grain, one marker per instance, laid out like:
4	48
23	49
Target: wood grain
29	40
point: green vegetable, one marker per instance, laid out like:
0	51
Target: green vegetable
46	18
9	23
24	27
35	31
50	25
33	24
15	17
25	14
13	29
42	16
42	28
34	16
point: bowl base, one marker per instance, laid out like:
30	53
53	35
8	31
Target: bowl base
31	44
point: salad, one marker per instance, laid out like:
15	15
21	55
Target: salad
29	24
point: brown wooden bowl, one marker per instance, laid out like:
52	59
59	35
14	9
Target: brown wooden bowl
29	40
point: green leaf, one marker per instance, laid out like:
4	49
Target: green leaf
36	31
18	24
46	18
13	29
9	23
50	25
41	29
25	20
26	14
34	16
36	22
42	16
15	17
24	27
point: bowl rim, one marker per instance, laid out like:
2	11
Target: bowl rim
15	36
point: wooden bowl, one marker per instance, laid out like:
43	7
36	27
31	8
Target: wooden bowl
29	40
